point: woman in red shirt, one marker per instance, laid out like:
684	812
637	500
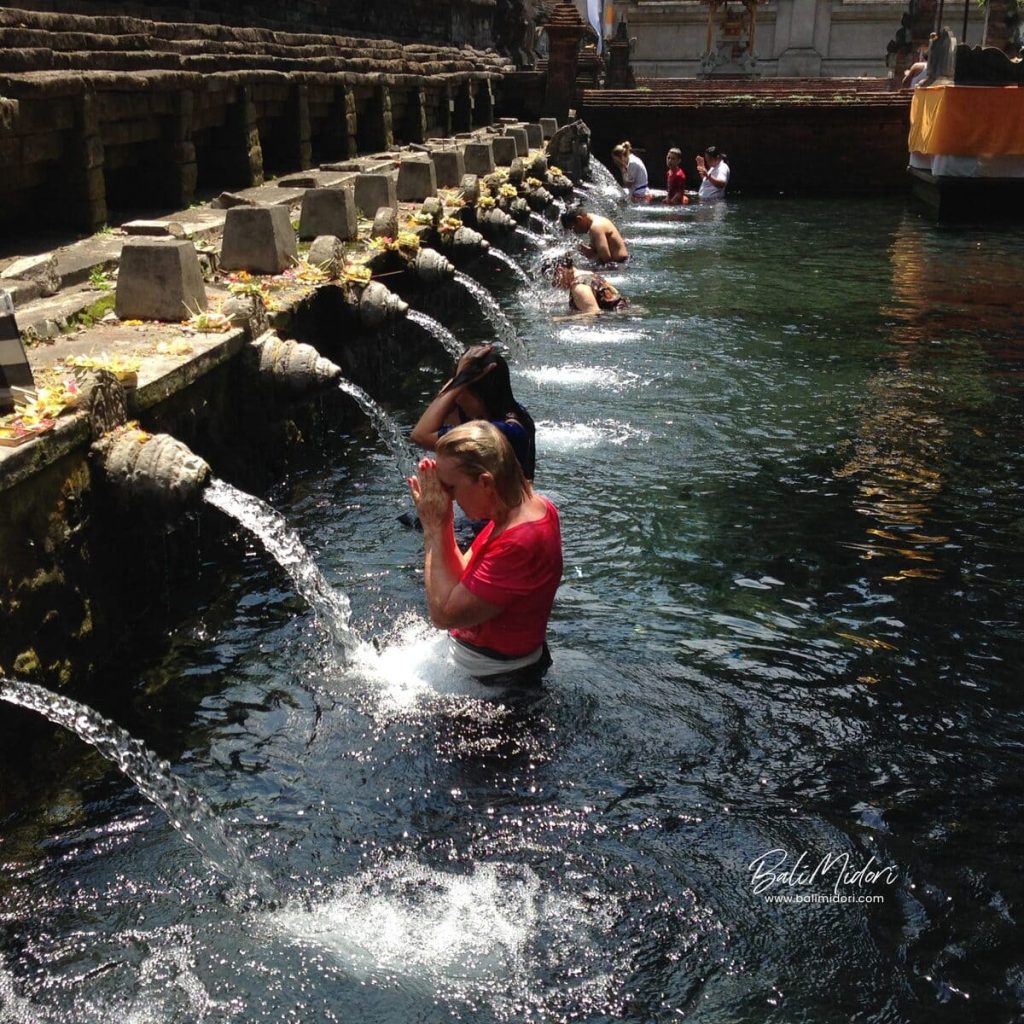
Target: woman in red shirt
494	599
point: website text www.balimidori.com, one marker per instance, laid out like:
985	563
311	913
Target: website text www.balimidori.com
833	878
821	897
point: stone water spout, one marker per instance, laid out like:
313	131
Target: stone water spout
431	267
378	303
156	467
495	221
540	198
292	366
467	244
520	209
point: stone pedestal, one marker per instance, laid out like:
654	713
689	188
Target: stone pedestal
800	58
548	126
620	74
259	239
14	369
417	180
534	136
374	191
479	158
329	211
449	167
160	279
521	137
505	150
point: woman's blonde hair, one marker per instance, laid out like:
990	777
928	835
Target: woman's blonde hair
478	447
622	149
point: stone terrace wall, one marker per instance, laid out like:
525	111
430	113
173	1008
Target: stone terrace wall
442	21
118	112
792	136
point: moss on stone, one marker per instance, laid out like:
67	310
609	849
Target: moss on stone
27	663
93	312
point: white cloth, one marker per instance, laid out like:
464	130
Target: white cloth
710	191
635	176
480	665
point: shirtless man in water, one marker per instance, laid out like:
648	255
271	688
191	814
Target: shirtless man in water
606	244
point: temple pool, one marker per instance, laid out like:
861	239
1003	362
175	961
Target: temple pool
776	771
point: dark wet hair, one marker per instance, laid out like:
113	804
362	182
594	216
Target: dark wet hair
495	391
712	152
569	217
562	261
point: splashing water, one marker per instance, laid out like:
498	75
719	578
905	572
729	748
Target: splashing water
598	174
331	606
183	806
503	328
603	193
389	431
466	937
503	257
543	228
437	330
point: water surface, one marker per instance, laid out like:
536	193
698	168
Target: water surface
791	487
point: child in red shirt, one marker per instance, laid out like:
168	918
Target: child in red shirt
675	178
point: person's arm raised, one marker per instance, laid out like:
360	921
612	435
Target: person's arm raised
428	427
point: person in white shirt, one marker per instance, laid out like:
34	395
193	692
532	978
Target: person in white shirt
634	172
714	174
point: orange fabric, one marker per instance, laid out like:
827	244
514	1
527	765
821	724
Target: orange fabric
967	120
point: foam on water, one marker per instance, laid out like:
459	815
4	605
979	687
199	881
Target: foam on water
481	935
571	436
579	376
411	665
660	241
604	332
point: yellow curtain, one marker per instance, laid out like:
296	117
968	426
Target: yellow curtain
967	120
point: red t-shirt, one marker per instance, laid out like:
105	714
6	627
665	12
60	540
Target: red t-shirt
675	182
519	571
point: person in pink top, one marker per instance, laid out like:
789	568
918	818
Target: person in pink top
494	599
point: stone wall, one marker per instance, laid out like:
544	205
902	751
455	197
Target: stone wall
793	38
119	113
84	568
787	137
442	21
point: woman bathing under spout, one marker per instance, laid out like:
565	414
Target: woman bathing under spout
589	293
494	599
480	388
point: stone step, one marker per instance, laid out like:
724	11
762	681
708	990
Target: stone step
42	30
